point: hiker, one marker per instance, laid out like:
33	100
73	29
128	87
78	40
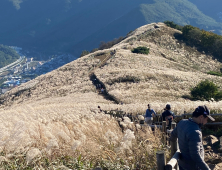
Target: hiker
168	116
102	90
190	142
100	110
94	81
99	86
149	115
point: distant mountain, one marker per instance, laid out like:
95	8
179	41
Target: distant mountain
211	8
54	26
182	12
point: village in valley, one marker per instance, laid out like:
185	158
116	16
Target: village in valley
26	68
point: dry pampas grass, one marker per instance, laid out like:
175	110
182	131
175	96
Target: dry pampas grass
53	121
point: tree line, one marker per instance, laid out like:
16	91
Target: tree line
203	40
7	55
103	45
210	43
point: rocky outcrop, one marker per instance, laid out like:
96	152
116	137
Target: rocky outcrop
212	140
212	157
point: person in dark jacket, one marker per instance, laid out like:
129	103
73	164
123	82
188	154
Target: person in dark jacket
100	110
167	115
190	143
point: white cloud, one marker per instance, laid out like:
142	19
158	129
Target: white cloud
16	3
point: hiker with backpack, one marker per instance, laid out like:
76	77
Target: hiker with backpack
168	116
150	113
188	132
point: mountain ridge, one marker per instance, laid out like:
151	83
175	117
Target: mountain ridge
61	26
143	12
165	50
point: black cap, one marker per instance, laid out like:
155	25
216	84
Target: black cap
168	107
202	110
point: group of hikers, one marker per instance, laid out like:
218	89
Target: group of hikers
189	136
188	133
167	115
98	85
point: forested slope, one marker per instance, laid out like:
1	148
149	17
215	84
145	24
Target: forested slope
7	55
211	8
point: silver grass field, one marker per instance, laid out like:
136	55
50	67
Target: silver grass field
54	122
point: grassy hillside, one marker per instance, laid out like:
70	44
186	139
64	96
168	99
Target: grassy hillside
168	58
53	121
7	55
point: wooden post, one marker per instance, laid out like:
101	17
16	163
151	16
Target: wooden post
161	160
174	148
164	132
173	126
174	145
164	126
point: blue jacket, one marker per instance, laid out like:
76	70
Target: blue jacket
190	144
149	113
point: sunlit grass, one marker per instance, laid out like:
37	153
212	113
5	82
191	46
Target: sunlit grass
52	120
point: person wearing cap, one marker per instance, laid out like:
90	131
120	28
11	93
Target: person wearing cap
190	143
149	115
167	115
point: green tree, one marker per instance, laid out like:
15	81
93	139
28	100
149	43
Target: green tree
217	48
84	52
204	40
205	90
194	36
218	96
173	25
94	50
105	45
186	29
208	39
141	50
